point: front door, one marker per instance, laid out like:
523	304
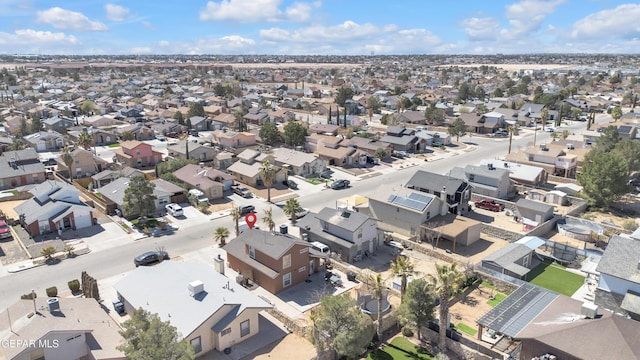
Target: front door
66	223
310	267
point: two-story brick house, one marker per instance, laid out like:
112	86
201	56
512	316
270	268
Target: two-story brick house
137	154
275	261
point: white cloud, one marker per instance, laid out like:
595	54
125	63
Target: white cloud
257	11
481	28
232	44
116	13
69	20
33	41
620	22
345	32
526	16
141	50
148	25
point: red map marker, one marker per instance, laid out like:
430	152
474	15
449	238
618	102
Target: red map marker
250	219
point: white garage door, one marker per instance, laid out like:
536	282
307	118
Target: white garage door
83	220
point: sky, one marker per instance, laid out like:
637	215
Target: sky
318	27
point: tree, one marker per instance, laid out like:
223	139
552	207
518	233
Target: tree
138	197
342	326
126	135
85	140
629	150
48	252
268	219
380	294
464	92
148	337
294	134
479	93
512	130
498	92
575	113
36	124
417	308
220	235
343	95
196	109
291	208
458	128
544	115
381	153
616	113
603	177
402	267
235	216
373	103
268	174
17	144
67	160
87	107
23	129
269	133
178	117
446	283
608	139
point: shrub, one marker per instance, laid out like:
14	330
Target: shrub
29	296
48	252
406	331
630	225
74	285
69	250
52	291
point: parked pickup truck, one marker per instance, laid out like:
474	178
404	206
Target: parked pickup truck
489	204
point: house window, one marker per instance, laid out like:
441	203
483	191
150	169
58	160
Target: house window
245	329
302	269
77	161
137	151
252	252
360	234
225	332
197	345
325	225
286	279
286	261
472	177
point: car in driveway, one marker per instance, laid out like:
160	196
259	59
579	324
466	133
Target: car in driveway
488	204
302	213
174	209
340	184
241	190
150	258
247	209
5	232
549	129
291	184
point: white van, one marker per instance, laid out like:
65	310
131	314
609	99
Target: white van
318	246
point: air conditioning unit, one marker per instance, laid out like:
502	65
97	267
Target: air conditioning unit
195	288
589	310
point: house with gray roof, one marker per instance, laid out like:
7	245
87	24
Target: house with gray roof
45	140
196	151
514	259
164	192
297	162
106	176
274	260
54	206
58	123
456	191
619	281
486	180
351	234
521	173
21	167
209	310
402	139
533	212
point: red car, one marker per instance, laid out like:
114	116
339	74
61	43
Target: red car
489	204
5	232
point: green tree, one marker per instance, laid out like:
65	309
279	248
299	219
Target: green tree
343	95
373	103
236	214
575	113
269	133
544	116
433	115
498	92
608	139
294	134
268	174
512	130
36	124
464	92
402	267
85	140
126	135
23	129
616	113
147	337
381	153
48	252
17	144
67	160
447	282
268	219
138	197
87	107
171	165
629	150
379	293
220	235
342	326
179	117
195	109
219	90
479	93
417	308
291	208
603	177
458	128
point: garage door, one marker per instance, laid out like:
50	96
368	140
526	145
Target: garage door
82	220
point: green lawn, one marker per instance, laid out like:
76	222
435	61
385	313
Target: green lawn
466	329
554	277
497	298
113	145
400	348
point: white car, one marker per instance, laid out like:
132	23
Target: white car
302	213
174	209
549	129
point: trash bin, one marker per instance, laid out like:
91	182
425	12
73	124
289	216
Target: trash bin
351	276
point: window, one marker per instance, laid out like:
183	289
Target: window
302	269
245	329
472	177
360	234
137	151
252	252
225	332
286	279
325	225
286	261
304	250
77	161
197	345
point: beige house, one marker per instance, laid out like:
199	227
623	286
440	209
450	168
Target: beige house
233	139
196	151
85	164
209	311
247	169
298	162
209	181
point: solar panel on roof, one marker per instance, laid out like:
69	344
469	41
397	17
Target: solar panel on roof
406	202
420	197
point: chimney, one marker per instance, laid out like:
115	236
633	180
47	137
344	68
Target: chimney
444	209
218	264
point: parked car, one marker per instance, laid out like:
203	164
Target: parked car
302	213
118	306
174	209
5	232
247	209
340	184
290	184
437	144
549	129
489	204
400	154
150	257
241	190
326	174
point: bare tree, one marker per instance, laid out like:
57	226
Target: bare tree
432	232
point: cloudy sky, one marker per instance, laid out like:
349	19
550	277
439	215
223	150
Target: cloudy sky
323	27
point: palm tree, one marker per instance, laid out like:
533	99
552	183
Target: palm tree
67	159
268	219
268	174
544	115
404	268
379	293
221	234
236	215
511	129
447	283
291	208
85	140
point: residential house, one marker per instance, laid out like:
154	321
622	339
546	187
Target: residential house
297	162
137	154
58	123
458	230
492	121
402	139
515	259
328	148
473	122
45	141
200	123
412	117
233	139
533	213
370	146
554	160
196	151
5	143
619	280
106	176
223	160
223	121
209	310
325	129
60	328
353	235
247	170
256	118
21	167
164	193
55	206
273	260
532	176
457	192
281	115
100	121
210	181
85	164
139	131
486	180
100	137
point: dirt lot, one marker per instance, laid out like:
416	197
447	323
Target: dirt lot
471	308
8	208
292	347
